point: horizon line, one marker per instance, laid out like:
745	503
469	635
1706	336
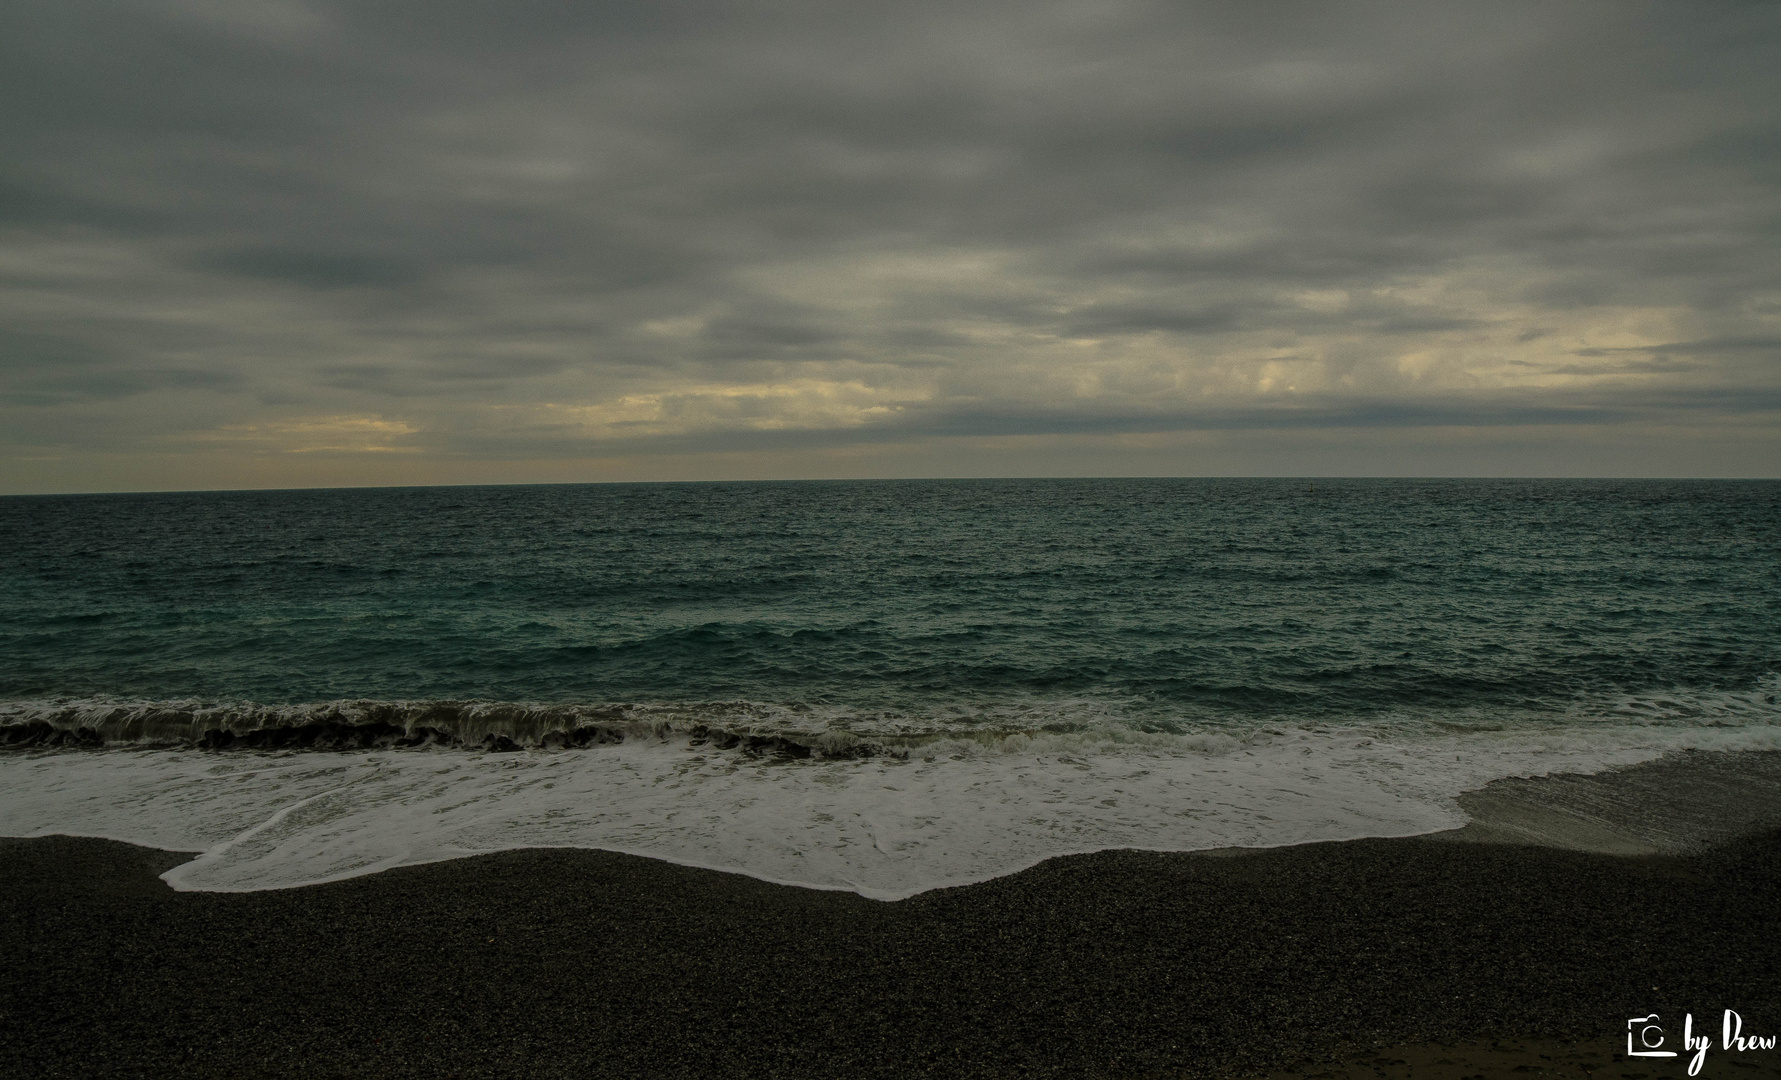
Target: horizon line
1307	478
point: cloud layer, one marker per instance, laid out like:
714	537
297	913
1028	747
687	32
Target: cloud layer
272	241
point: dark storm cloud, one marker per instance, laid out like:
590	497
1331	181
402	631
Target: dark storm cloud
557	225
1378	416
317	269
42	371
1696	348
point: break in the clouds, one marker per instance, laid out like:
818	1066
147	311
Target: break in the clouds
295	241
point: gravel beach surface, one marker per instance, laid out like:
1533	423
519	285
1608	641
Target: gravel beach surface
567	963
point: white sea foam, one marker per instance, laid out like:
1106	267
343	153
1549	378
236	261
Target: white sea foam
951	813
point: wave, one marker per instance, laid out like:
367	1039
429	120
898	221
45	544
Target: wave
910	806
786	731
789	731
379	725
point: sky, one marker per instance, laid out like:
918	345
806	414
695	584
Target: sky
283	243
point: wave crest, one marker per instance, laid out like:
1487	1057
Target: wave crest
369	725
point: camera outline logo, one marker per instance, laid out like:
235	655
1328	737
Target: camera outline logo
1642	1027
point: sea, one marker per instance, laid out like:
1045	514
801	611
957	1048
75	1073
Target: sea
877	686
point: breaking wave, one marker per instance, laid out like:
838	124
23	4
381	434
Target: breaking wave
888	811
783	731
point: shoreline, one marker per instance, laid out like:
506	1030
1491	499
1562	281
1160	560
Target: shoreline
886	831
1279	961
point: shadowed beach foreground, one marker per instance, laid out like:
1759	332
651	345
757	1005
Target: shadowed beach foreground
1401	957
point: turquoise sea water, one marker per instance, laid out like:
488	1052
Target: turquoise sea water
1163	600
877	686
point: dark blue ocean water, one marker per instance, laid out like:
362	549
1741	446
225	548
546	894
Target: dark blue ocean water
1167	601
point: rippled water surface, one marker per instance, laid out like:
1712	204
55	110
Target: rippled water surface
882	686
1171	599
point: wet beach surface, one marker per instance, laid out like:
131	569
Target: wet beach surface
1317	959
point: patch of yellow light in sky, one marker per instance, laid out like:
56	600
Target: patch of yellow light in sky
1482	335
314	434
797	404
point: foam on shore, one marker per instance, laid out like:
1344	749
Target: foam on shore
886	827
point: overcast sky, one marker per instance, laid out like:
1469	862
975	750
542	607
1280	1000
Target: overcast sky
297	242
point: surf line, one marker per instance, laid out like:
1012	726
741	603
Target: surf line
174	876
